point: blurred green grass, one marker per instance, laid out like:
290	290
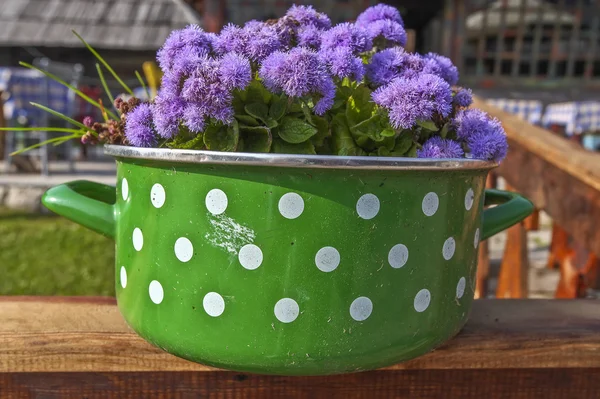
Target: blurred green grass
49	255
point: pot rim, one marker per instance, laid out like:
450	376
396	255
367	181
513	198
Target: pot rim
296	160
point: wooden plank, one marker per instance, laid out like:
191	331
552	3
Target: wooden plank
79	335
417	384
561	177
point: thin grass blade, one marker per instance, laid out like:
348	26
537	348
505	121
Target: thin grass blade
137	74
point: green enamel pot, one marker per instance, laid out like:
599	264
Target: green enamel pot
292	264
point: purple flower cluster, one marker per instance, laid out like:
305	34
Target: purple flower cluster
442	67
393	63
346	35
183	43
255	40
383	22
437	147
344	64
484	136
139	129
307	15
463	98
298	73
409	100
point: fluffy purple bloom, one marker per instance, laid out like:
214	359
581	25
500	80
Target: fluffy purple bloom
484	135
235	71
182	43
204	89
139	128
255	40
379	12
309	36
393	63
409	100
167	112
346	35
298	73
344	64
389	30
463	98
306	15
490	145
441	66
437	147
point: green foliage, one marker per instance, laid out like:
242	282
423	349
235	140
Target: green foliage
256	139
259	111
186	140
222	138
295	131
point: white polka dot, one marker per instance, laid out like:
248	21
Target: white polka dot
361	308
422	300
156	292
213	303
184	250
138	239
286	310
476	238
327	259
430	204
448	249
124	189
216	201
469	198
250	257
157	195
460	287
367	206
291	205
398	256
123	276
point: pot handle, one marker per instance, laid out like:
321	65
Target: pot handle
85	202
511	209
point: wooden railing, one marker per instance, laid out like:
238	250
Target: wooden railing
81	348
561	178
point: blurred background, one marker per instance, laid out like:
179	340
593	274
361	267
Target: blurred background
538	60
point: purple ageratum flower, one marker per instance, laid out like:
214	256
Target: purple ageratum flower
379	12
139	128
409	100
437	147
463	98
441	66
235	71
298	73
167	112
346	35
344	64
309	36
490	145
182	43
255	40
485	136
392	63
307	15
387	29
204	89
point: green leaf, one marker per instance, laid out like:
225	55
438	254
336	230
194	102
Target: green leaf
307	113
256	139
256	93
278	108
412	152
238	102
359	107
183	141
429	125
246	120
281	147
222	138
403	143
272	123
295	130
322	130
54	140
294	106
99	58
343	143
341	97
388	132
258	111
445	129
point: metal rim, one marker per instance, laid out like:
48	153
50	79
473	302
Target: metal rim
294	160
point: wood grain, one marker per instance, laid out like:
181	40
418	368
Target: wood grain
558	175
78	335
